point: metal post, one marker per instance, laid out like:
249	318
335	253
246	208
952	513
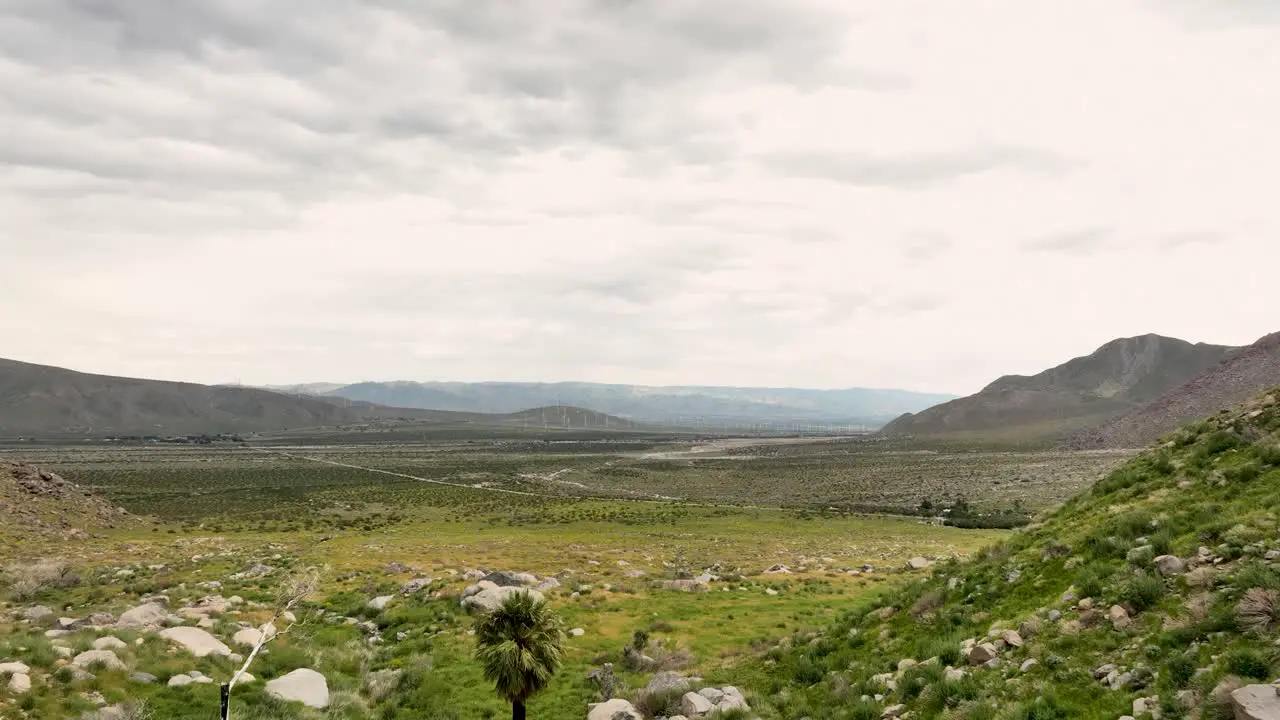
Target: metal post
225	713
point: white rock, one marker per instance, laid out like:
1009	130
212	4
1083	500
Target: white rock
1256	702
577	632
109	643
616	709
180	680
248	637
918	563
196	641
380	603
303	685
489	598
1168	565
14	668
150	615
106	658
694	705
20	683
981	654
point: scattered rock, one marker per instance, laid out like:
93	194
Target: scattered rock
38	614
19	683
490	597
577	632
90	658
616	709
1256	702
686	586
665	682
778	569
982	654
109	643
14	668
894	711
395	568
1026	666
380	603
1011	638
148	616
416	585
195	641
180	680
918	563
695	705
303	685
1168	565
1119	617
144	678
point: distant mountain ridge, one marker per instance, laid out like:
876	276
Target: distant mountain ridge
1084	392
1241	375
661	404
40	400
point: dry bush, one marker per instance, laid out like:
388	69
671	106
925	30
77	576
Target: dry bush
28	580
1259	610
927	603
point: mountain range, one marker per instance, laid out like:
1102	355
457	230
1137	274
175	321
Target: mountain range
665	404
1126	393
40	400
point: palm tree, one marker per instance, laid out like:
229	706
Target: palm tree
520	645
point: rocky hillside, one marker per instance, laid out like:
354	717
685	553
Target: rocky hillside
1083	392
36	501
1241	375
1155	594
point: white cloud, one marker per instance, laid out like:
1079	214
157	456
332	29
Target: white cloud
823	193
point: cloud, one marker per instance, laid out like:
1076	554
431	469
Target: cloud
1074	242
913	170
758	192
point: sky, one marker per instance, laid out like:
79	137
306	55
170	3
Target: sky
811	193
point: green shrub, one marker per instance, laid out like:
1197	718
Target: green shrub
1248	663
1179	670
1142	592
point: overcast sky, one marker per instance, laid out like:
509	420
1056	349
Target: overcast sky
819	193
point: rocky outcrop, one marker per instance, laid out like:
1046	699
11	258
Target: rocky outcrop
1256	702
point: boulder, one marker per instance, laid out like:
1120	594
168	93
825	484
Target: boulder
19	683
694	705
144	678
1119	617
110	643
195	641
1011	638
503	578
38	614
982	654
14	668
918	563
1168	565
778	569
894	711
732	700
380	603
90	658
490	598
247	637
686	586
416	585
1256	702
149	615
715	695
666	681
616	709
577	632
180	680
303	685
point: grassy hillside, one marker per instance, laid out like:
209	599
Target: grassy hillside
1081	618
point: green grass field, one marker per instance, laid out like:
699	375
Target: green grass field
590	521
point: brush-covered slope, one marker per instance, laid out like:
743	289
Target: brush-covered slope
1156	591
1241	375
34	501
1083	392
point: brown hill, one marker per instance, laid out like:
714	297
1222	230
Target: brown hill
1242	375
39	400
1084	392
37	501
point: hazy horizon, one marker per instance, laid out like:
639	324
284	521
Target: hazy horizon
813	194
